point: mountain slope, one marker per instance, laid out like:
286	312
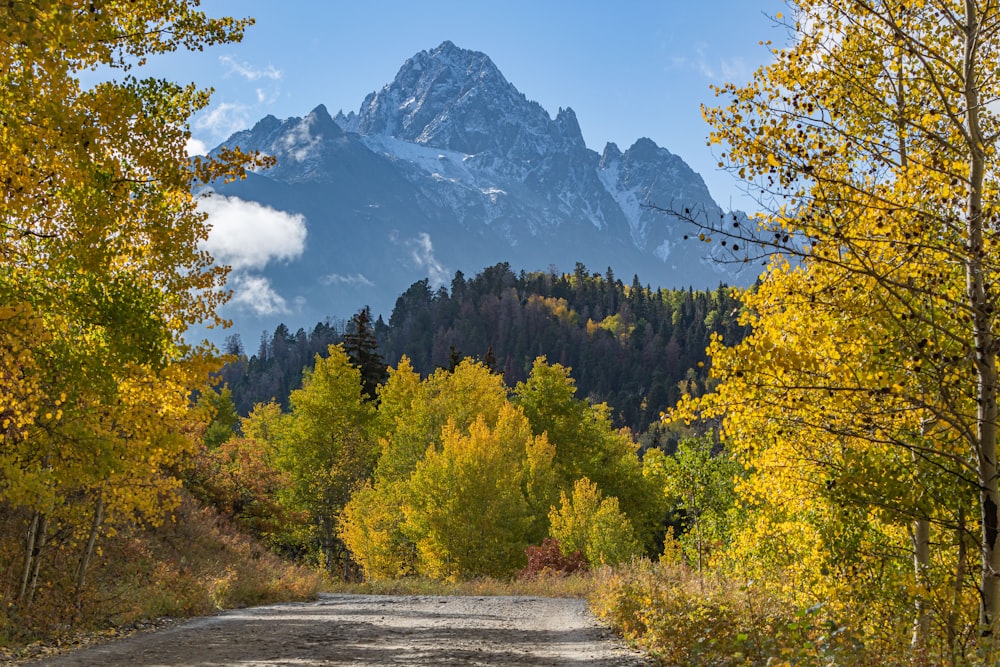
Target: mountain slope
449	167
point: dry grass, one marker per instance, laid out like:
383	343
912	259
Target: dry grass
683	620
576	585
195	565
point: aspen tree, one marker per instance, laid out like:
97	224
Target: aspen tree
101	272
871	142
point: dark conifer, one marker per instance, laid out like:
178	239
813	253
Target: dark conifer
490	359
362	348
454	358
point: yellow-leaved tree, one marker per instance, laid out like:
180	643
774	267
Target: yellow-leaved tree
468	476
588	446
327	447
101	271
415	419
865	402
593	525
468	504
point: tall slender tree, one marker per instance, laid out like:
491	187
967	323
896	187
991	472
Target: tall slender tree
100	262
872	145
361	347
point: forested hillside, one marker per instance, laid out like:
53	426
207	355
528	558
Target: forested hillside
631	346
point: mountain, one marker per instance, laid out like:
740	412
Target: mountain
448	167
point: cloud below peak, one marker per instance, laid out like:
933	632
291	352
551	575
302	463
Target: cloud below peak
247	235
254	293
195	147
422	254
352	280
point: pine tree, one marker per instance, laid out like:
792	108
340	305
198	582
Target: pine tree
362	349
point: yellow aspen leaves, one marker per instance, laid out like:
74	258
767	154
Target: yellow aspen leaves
468	475
102	273
863	402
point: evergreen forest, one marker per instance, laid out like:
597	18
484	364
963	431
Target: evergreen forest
636	348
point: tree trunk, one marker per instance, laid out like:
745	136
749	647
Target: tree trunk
921	537
36	561
88	552
982	309
956	592
29	555
327	544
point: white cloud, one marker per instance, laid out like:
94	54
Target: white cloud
247	235
248	71
255	293
704	66
720	70
422	254
356	280
301	143
195	147
735	70
224	119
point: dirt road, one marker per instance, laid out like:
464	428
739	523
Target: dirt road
377	630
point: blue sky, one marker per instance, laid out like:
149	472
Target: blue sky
628	68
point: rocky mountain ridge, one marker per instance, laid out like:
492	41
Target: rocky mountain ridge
449	167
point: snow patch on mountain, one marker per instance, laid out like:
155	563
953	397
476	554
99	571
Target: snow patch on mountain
629	200
429	159
467	186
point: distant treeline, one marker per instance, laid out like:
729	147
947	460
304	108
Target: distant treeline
628	345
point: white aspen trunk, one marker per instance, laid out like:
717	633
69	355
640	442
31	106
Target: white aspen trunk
88	552
956	593
29	552
982	309
921	565
36	560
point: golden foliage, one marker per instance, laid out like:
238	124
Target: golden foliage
588	522
864	405
101	272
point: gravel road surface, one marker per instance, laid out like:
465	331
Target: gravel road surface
377	630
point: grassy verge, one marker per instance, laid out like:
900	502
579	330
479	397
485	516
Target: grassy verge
577	585
197	564
680	619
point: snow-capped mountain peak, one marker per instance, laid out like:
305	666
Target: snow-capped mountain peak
449	166
457	99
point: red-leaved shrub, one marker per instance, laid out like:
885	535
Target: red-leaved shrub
549	558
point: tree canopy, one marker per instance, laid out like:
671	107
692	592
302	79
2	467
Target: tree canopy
468	476
101	269
868	386
633	347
